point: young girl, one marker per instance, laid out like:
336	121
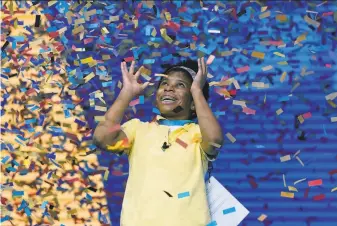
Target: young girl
168	156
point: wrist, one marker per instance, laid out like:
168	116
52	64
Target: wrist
196	91
126	95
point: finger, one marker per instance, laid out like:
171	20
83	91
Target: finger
132	68
144	85
199	65
203	65
122	68
138	73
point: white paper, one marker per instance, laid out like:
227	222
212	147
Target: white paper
219	199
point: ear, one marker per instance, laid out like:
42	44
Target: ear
192	106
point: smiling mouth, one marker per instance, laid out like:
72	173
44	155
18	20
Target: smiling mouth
168	100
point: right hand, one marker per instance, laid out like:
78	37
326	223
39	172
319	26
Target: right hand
130	80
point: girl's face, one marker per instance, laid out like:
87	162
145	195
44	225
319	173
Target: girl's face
173	97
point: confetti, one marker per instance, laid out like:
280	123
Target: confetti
315	182
230	137
299	181
259	55
319	197
285	158
183	195
291	188
287	194
229	210
262	217
299	160
182	143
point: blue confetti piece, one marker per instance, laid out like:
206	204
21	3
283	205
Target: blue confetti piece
229	210
43	205
11	169
17	193
79	122
3	219
148	61
141	99
22	205
27	211
156	111
183	195
67	113
213	223
89	197
29	121
5	159
15	163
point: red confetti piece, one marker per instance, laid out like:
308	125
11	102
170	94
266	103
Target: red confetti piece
54	34
129	59
328	65
327	13
248	111
319	197
182	9
307	115
275	43
242	69
88	40
332	172
315	182
182	143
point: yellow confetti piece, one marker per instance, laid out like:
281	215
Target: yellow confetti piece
119	85
295	86
50	3
267	68
236	84
279	111
215	144
230	137
285	158
262	217
334	189
287	194
264	15
301	38
104	31
260	85
87	60
106	174
165	36
311	21
333	119
162	75
332	104
239	102
99	118
79	21
154	32
300	161
89	77
282	63
259	55
281	17
168	16
101	108
78	30
300	119
226	53
298	181
279	54
264	8
291	188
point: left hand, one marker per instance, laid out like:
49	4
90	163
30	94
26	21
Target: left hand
200	78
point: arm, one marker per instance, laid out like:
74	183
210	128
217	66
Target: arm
211	131
113	117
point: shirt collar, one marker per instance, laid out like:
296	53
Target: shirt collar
160	118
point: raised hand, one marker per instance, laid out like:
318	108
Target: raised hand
130	80
200	78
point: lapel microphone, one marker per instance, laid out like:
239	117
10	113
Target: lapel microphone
165	146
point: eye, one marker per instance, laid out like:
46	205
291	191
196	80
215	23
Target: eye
180	84
163	83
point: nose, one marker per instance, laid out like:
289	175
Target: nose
168	87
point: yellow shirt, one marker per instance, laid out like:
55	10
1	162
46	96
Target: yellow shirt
155	175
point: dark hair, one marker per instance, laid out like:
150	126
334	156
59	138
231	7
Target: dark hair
192	64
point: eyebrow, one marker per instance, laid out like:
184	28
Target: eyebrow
165	79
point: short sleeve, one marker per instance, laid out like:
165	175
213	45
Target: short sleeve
198	139
130	129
